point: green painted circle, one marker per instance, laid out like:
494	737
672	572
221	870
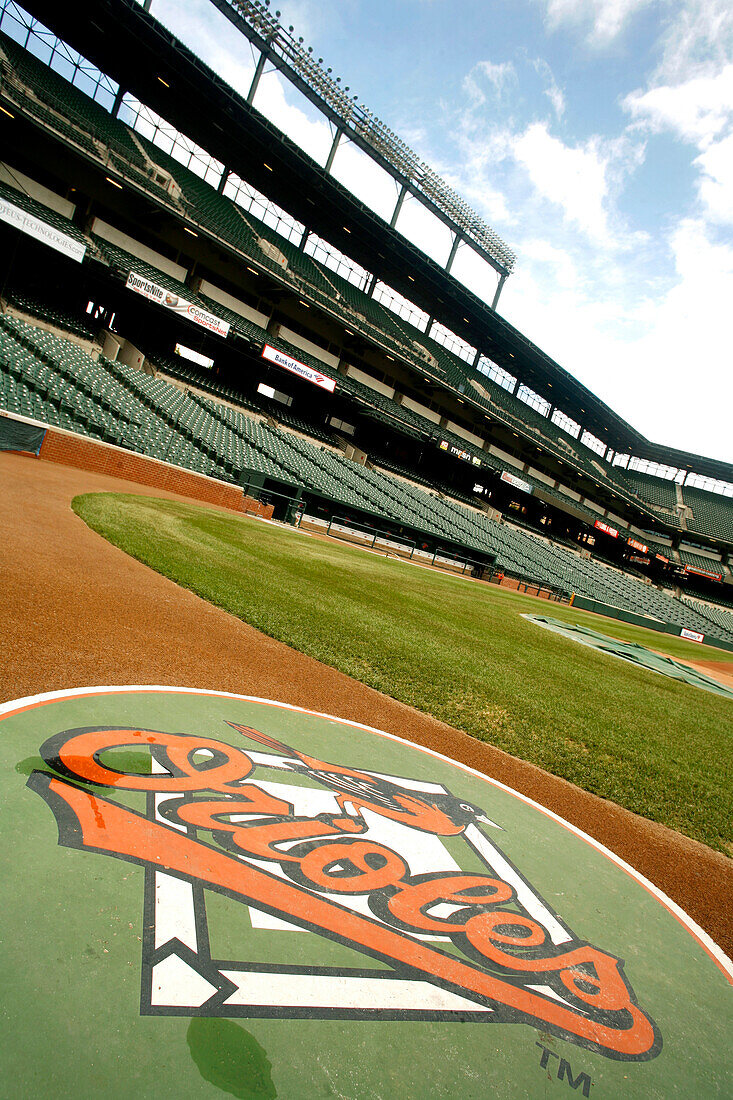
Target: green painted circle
144	959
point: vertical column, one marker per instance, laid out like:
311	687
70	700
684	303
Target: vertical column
454	248
259	69
398	206
502	280
117	102
334	146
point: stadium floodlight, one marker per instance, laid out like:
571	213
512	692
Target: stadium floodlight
354	119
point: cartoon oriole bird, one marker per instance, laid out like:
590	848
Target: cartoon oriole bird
441	814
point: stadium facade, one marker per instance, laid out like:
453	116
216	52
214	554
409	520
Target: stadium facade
324	361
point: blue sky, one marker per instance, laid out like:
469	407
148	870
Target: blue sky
595	136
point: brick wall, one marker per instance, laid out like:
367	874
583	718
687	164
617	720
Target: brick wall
103	458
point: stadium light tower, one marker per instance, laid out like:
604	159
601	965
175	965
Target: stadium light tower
353	120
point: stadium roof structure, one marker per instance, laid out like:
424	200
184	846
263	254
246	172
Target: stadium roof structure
146	59
277	45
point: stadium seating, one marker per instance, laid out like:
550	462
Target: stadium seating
655	490
29	303
77	118
48	378
699	561
721	620
55	381
710	512
58	105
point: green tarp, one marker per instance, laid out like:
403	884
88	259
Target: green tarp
632	652
15	435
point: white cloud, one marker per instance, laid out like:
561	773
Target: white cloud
552	91
557	264
497	74
716	185
696	40
696	110
653	357
575	178
424	229
690	97
366	179
601	20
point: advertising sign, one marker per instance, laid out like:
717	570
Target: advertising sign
638	546
285	361
41	231
457	452
167	298
691	635
606	528
516	482
703	573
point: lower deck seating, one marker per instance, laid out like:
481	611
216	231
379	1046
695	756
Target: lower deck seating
51	379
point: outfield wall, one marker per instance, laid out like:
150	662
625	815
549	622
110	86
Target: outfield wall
612	612
68	449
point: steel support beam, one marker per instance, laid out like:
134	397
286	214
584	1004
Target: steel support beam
260	68
398	206
334	146
117	101
454	248
500	284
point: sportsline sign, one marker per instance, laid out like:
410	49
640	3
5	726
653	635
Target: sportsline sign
163	297
296	367
41	231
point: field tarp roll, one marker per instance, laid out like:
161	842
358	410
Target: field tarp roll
15	435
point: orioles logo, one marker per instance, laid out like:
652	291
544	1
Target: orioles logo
355	857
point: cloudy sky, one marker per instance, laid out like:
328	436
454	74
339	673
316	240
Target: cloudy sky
595	136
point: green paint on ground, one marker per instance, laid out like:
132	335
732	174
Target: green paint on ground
78	941
230	1059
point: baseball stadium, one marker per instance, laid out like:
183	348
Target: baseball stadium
284	499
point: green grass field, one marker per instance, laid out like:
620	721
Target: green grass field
460	652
